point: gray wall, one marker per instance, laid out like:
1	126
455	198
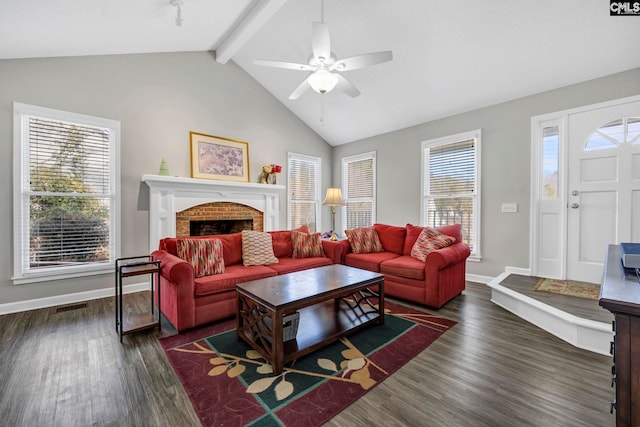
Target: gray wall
506	159
158	99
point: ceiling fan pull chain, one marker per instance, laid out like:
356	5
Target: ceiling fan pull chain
322	110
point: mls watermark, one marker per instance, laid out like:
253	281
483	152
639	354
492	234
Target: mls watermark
622	8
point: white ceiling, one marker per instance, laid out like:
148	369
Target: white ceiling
449	57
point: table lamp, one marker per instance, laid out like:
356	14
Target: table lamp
333	199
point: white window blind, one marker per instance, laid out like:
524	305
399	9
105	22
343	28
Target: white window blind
304	191
66	204
451	175
359	178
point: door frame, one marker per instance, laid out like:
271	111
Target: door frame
538	123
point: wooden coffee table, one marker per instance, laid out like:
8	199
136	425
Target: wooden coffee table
332	301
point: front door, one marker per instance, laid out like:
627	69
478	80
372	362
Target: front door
603	186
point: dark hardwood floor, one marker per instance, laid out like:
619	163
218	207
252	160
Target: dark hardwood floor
492	369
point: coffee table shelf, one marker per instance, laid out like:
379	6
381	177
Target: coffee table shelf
333	301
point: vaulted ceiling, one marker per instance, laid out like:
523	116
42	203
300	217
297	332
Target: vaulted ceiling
448	57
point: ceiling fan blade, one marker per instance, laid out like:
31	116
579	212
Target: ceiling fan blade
347	87
287	65
302	88
361	61
320	42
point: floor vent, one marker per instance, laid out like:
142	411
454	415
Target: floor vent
71	307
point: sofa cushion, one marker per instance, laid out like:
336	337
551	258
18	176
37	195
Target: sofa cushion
430	240
391	237
282	245
231	244
369	262
257	248
403	266
364	240
306	245
413	232
289	265
204	255
235	274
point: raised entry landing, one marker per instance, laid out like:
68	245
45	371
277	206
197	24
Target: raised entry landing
578	321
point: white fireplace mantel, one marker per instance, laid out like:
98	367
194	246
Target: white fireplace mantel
171	194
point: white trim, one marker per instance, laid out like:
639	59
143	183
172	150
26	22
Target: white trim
560	117
476	135
518	270
21	274
345	183
34	304
476	278
318	201
582	333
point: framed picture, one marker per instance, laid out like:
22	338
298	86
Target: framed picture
215	157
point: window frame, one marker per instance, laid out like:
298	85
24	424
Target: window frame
345	183
317	161
475	135
21	193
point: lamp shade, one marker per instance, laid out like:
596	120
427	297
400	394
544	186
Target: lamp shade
322	81
334	197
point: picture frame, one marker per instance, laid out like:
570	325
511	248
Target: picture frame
215	157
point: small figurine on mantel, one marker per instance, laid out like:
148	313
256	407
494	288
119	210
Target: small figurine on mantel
268	175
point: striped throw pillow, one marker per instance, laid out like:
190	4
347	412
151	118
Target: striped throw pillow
306	245
205	255
428	241
364	240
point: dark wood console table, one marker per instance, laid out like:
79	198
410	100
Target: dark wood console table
620	294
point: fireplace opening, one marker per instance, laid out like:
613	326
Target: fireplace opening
219	226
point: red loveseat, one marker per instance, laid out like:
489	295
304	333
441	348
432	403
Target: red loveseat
432	283
188	301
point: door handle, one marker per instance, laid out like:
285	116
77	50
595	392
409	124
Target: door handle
575	205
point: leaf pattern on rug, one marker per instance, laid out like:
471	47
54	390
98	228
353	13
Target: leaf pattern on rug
355	366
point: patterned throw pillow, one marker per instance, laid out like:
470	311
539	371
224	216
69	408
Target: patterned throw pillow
428	241
205	255
364	240
306	245
257	248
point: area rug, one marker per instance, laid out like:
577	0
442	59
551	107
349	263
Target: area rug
569	287
230	384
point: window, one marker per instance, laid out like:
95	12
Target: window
451	183
550	162
359	180
612	134
304	191
66	194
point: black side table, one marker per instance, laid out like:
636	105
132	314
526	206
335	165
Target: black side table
136	266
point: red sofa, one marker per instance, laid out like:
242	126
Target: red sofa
432	283
188	301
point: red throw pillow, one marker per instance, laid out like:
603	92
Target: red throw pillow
205	255
364	240
429	241
306	245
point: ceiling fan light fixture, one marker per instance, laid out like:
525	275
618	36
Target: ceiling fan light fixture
323	81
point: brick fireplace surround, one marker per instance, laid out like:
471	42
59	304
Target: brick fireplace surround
171	196
216	211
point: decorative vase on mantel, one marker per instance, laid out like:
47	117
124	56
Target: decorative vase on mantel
273	178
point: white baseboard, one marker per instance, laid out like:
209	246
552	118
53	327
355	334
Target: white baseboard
476	278
33	304
518	270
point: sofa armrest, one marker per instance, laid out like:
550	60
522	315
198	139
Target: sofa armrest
333	250
443	258
178	290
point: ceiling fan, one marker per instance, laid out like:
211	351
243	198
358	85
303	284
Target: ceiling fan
325	67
